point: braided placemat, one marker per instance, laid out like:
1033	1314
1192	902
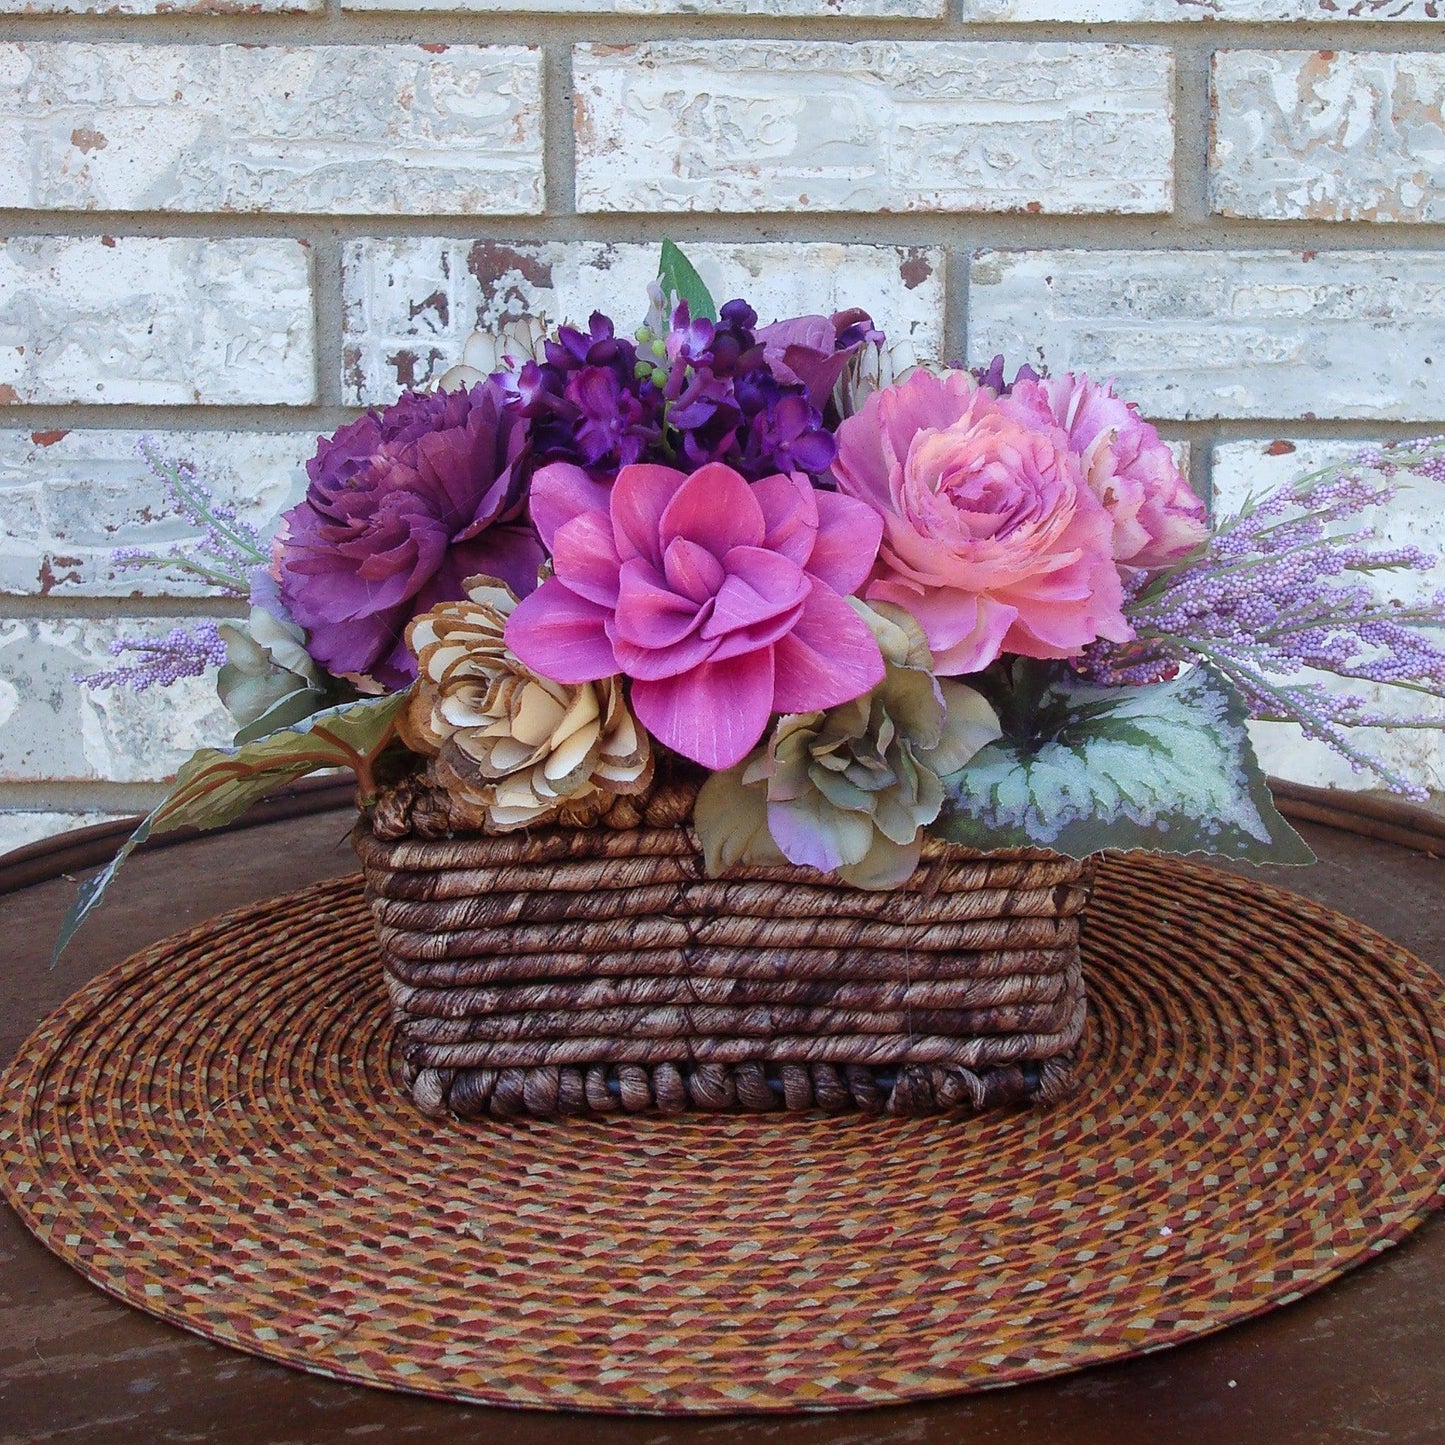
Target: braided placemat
211	1133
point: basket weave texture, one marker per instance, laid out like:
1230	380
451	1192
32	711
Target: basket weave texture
589	971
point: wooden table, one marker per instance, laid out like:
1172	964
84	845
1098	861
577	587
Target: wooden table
1363	1360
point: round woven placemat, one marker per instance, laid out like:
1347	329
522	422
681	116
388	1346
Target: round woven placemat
211	1133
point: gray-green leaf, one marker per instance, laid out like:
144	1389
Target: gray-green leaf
1168	768
216	785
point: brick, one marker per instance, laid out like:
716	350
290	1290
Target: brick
160	7
881	126
68	498
780	9
1328	136
1095	12
20	827
54	729
1196	334
148	321
325	129
1413	518
410	304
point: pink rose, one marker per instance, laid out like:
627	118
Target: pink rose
991	537
1157	518
721	599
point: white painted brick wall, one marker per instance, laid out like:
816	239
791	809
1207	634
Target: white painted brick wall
1140	12
737	126
411	304
328	129
1325	136
69	498
1415	518
229	222
160	7
764	9
54	730
178	321
1237	334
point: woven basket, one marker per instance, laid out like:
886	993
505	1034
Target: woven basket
588	971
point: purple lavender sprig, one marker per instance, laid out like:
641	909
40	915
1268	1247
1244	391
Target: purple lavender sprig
1282	588
228	550
160	661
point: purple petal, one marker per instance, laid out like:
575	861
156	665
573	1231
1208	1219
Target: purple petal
830	657
511	553
713	714
561	492
561	636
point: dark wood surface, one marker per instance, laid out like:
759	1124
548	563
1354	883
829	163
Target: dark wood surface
1361	1361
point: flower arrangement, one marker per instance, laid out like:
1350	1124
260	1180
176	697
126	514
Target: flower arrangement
861	602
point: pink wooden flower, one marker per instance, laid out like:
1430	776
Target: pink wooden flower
992	539
721	599
1157	518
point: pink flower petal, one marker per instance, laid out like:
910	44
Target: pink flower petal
585	558
649	613
790	515
560	635
639	497
849	532
651	663
830	657
713	714
560	492
716	508
924	402
692	570
760	586
980	645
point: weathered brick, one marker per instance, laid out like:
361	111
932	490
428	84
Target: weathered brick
807	9
1095	12
53	728
410	304
68	498
362	129
1414	518
1326	136
22	826
156	321
160	7
1198	334
879	126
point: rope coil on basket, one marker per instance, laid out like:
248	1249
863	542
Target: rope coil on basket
592	967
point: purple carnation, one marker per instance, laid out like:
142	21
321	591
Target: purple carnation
403	505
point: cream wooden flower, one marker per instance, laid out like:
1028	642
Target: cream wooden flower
485	352
517	747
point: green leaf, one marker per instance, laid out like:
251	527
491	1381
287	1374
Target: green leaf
1168	768
680	279
216	785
